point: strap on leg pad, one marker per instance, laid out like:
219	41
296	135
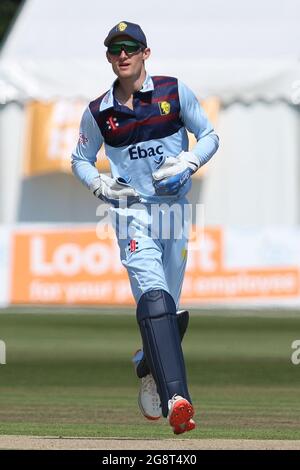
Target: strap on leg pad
156	316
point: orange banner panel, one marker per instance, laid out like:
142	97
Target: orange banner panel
243	284
74	266
211	107
70	266
206	250
52	131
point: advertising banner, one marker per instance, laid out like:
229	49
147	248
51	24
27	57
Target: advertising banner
52	132
74	266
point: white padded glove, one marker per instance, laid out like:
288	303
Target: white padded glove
114	190
174	165
174	172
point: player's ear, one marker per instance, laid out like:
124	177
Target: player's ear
146	53
108	58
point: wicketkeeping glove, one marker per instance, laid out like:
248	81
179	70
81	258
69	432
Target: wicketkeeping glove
115	191
174	173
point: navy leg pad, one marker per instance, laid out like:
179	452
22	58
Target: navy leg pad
156	316
142	368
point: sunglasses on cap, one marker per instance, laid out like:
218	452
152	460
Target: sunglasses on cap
130	47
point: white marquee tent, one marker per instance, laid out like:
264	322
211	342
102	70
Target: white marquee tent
245	53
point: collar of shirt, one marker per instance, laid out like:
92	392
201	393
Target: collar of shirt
108	99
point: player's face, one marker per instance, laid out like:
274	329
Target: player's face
128	65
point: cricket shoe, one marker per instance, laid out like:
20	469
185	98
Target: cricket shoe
180	414
149	399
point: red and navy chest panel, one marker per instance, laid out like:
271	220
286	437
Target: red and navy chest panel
155	115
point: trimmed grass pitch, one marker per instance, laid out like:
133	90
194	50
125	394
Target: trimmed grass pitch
71	375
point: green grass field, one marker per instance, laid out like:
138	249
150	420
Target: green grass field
71	375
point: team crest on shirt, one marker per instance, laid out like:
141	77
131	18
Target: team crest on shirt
164	107
112	123
122	26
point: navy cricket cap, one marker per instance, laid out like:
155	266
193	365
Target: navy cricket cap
134	31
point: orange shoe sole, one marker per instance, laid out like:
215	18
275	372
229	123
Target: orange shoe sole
181	417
